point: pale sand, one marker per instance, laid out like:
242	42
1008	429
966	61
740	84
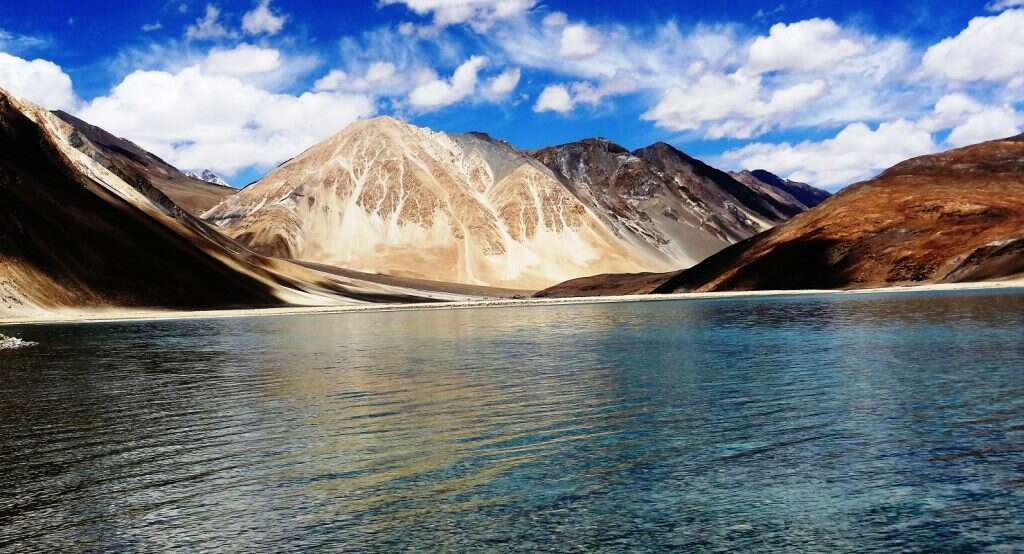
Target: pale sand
116	314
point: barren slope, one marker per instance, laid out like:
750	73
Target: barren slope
75	235
949	217
132	163
384	196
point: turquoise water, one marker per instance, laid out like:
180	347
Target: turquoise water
824	423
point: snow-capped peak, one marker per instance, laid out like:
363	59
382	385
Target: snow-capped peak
208	176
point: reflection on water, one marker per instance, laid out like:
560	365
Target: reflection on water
879	422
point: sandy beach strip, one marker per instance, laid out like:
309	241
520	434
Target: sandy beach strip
126	314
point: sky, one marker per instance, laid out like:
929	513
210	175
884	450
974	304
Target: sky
819	91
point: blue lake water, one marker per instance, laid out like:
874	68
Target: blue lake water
882	422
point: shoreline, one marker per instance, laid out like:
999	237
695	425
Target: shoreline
113	315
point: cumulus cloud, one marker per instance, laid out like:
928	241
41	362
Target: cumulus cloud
503	84
857	152
555	19
262	20
244	59
733	105
562	98
378	78
971	121
194	119
150	27
579	41
439	93
208	27
990	48
479	14
802	46
40	81
554	98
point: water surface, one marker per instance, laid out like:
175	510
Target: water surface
830	423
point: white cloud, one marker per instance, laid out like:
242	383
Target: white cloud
14	44
990	48
554	98
194	119
262	20
730	105
208	27
150	27
855	153
579	41
40	81
806	45
555	19
1000	5
971	121
244	59
479	14
378	78
501	85
439	93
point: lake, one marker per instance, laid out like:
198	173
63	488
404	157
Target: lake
875	422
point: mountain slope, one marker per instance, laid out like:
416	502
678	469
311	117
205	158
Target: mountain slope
385	196
948	217
132	164
75	235
786	191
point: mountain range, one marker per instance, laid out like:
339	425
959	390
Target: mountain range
385	211
950	217
388	197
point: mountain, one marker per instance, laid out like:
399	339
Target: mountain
132	163
951	217
207	176
81	230
385	196
948	217
785	190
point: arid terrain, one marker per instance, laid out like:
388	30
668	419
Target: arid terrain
951	217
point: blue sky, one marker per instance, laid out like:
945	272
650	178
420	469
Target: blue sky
827	92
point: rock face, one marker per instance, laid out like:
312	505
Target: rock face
80	230
384	196
133	164
950	217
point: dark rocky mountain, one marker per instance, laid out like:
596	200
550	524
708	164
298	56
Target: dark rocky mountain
133	164
806	195
663	198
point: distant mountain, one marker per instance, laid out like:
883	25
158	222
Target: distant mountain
208	176
385	196
80	228
132	163
950	217
806	195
